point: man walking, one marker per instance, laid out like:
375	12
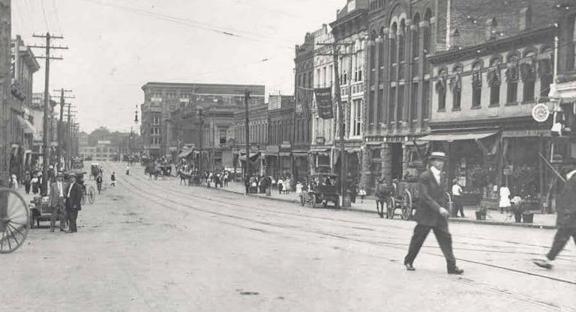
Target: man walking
73	203
457	198
432	215
57	199
565	221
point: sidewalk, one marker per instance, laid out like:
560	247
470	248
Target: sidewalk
543	221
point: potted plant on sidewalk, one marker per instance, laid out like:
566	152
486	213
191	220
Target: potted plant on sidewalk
481	213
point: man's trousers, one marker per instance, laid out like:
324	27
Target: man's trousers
442	236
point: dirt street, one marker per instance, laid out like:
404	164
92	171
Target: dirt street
150	245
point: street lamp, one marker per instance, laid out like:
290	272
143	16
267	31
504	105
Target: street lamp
200	113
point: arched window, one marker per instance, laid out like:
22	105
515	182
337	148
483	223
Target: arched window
393	47
416	36
402	42
494	81
456	85
393	51
441	89
428	33
477	84
528	75
512	78
372	52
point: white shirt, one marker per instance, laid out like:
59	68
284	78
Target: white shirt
60	189
70	189
436	173
456	190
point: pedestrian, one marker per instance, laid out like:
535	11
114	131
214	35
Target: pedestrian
504	202
73	203
99	183
298	188
362	193
432	215
34	184
457	198
280	186
113	178
27	179
13	182
127	170
565	221
57	201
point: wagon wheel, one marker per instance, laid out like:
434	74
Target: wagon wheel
407	208
380	208
14	226
91	195
390	207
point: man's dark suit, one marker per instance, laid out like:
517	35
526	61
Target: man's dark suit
432	198
73	204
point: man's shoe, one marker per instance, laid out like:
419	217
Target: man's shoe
543	263
409	267
455	271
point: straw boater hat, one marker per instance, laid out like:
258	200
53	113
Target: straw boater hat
437	155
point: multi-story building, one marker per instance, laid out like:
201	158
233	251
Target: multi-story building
350	31
258	138
278	158
164	131
21	131
103	151
323	129
403	34
304	93
486	87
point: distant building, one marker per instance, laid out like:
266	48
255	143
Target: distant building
170	117
103	151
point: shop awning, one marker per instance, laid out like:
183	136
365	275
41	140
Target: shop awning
26	125
185	153
458	136
253	156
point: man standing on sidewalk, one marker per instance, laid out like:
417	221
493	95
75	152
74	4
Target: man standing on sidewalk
73	203
565	221
432	215
457	198
57	199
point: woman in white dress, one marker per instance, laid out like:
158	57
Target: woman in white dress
504	199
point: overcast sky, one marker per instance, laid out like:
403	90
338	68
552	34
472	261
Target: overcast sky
118	45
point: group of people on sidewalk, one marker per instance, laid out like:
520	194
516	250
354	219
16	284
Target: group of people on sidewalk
65	199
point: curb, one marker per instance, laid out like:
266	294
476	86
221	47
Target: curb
483	222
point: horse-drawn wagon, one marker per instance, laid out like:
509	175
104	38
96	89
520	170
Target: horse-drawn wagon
321	191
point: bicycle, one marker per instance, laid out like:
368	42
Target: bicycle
14	220
88	194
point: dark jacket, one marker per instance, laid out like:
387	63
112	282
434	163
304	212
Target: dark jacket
431	198
566	205
74	201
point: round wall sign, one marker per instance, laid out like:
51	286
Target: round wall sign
541	112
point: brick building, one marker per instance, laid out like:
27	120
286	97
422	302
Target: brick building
278	157
169	111
258	138
304	93
5	36
350	31
499	66
323	130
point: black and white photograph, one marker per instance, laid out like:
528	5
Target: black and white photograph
288	155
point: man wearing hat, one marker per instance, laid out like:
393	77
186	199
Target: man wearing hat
73	202
57	198
432	215
565	221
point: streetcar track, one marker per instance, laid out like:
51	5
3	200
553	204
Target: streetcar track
272	212
469	282
285	226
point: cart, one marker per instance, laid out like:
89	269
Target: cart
322	190
14	220
40	210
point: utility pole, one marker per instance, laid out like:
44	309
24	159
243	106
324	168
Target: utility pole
61	127
5	42
247	171
341	120
70	148
201	134
48	58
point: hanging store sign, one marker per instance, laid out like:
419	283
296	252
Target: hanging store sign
324	102
541	112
